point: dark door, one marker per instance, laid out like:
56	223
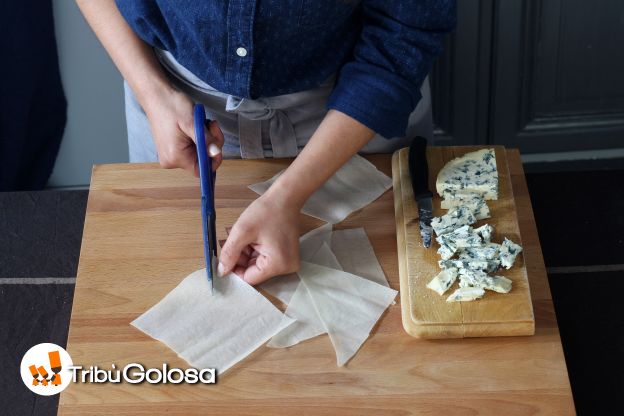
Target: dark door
542	76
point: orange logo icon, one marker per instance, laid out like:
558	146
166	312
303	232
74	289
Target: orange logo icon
45	369
55	366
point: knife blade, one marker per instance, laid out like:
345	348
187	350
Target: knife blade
419	175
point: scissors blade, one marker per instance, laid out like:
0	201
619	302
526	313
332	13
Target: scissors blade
207	183
207	233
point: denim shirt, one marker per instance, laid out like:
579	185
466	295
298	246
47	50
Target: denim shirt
381	50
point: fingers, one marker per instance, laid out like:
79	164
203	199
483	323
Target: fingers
176	148
180	155
216	136
262	268
216	141
235	246
176	142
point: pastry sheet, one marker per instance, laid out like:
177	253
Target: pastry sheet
190	322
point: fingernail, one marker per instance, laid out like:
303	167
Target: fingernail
220	270
213	150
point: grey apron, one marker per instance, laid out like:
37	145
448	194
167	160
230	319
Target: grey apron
277	126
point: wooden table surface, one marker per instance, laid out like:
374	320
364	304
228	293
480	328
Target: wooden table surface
142	236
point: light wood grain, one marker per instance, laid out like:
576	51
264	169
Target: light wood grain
427	314
142	236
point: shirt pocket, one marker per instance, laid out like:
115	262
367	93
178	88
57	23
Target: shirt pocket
316	14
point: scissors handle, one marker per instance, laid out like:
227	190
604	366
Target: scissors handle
206	175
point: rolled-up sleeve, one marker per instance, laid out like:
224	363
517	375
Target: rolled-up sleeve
399	41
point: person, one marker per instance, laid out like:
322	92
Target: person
316	79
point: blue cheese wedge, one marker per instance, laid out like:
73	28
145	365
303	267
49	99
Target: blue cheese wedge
455	218
443	281
451	198
508	253
466	294
472	200
473	172
485	231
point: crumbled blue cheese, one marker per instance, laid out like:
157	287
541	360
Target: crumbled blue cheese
472	172
471	278
446	251
472	264
485	231
455	218
446	264
478	278
479	208
459	238
469	254
443	281
493	265
508	253
487	251
475	264
498	284
465	294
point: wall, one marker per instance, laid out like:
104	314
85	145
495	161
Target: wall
96	129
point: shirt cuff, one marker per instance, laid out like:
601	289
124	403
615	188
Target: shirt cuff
375	97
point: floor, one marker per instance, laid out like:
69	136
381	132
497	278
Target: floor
580	217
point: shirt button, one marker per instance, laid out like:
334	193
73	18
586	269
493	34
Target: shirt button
241	52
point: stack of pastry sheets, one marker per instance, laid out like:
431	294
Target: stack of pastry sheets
340	289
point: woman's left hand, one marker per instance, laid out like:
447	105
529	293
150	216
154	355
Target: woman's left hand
264	241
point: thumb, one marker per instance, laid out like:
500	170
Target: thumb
232	250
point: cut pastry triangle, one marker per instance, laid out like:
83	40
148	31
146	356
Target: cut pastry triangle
348	305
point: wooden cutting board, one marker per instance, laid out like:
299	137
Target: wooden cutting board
425	313
142	236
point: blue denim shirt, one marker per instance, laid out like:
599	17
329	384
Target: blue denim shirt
381	50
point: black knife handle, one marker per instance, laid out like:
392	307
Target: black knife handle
419	170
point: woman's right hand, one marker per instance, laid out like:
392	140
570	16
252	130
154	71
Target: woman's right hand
170	114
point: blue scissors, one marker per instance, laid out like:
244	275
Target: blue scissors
207	181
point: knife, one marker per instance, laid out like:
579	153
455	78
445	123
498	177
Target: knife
419	175
207	183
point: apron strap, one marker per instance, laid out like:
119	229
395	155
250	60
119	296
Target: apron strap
250	138
250	115
282	135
